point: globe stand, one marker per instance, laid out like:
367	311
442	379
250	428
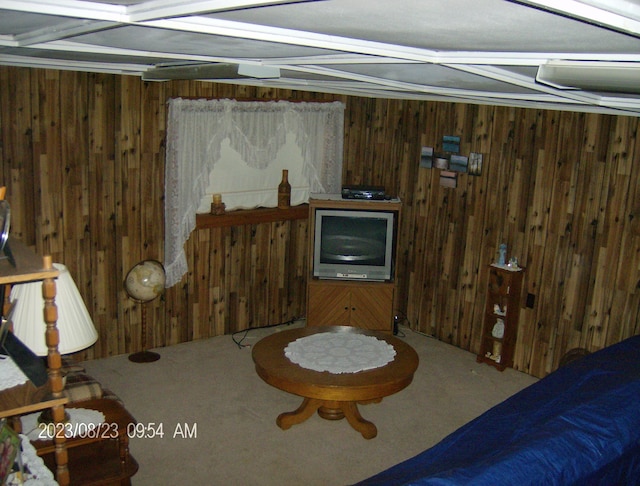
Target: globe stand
144	356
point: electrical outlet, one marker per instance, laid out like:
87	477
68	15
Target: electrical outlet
531	300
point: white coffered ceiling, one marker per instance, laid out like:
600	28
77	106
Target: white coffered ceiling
558	54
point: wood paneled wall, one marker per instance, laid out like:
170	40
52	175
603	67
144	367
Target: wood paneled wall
83	159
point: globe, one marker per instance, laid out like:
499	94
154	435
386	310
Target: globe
145	281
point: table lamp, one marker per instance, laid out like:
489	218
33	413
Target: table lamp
75	326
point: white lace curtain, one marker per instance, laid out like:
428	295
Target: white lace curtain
256	130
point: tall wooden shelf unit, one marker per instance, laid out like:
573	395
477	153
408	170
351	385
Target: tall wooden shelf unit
363	304
29	267
502	312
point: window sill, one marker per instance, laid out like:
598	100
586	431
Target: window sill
241	217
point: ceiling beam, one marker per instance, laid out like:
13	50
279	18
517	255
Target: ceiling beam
515	79
377	92
68	65
227	28
63	30
617	15
157	9
153	9
71	46
68	8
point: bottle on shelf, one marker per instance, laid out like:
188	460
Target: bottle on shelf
284	191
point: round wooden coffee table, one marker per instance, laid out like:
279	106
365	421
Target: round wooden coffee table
333	396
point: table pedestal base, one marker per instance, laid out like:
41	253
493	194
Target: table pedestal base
329	410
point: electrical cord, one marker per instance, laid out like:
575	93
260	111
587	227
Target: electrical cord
401	319
246	332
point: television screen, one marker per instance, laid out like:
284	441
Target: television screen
353	244
353	240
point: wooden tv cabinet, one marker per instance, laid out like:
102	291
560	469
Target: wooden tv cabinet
367	305
362	304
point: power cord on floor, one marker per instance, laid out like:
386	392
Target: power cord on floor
400	319
246	332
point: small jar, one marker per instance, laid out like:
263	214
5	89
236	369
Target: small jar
217	206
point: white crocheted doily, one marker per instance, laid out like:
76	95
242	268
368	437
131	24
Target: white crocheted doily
10	374
340	352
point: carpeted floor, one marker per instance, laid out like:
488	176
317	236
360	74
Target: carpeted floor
218	417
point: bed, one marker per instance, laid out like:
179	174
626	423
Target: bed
579	425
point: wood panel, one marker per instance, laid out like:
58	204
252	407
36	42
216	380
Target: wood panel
328	304
82	156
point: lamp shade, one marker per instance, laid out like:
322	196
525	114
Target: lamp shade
75	326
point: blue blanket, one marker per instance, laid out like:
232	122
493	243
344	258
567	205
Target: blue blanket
580	425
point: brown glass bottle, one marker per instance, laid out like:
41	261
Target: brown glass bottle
284	191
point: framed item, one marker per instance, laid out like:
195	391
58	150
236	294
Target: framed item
475	163
441	161
448	179
451	144
9	449
458	163
426	157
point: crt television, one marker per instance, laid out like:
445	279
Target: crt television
354	244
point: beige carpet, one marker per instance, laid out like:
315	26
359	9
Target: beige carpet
218	416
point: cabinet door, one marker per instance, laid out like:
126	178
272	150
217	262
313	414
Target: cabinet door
372	307
328	305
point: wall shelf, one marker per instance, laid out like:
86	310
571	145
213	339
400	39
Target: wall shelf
241	217
503	304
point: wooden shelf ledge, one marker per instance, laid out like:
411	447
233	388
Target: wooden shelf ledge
33	407
241	217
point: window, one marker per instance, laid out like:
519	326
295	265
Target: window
242	138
